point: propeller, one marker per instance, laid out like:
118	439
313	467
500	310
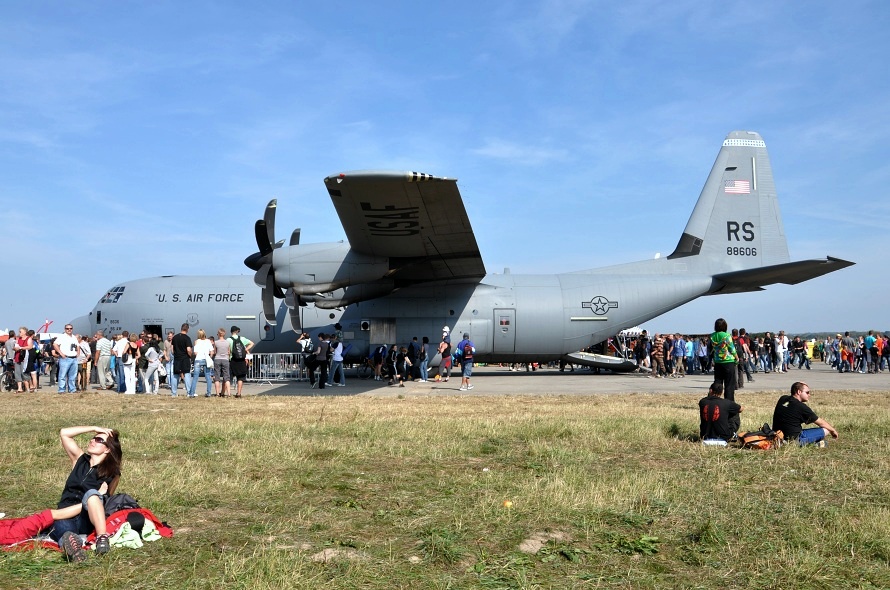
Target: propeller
261	261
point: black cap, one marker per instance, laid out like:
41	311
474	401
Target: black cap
235	329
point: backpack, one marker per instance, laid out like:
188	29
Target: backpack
239	352
468	351
764	439
331	348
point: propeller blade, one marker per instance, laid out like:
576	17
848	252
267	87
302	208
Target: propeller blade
295	237
262	237
290	299
269	218
295	323
279	292
254	261
269	301
262	275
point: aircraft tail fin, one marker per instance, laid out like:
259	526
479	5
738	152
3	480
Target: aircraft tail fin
736	224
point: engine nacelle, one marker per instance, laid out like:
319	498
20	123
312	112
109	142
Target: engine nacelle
355	294
322	268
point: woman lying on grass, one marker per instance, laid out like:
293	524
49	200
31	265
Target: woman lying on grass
94	476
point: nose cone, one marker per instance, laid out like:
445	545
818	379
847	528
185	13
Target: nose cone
83	325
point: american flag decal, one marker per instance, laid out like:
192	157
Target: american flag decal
737	187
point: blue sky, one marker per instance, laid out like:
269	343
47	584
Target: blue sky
141	139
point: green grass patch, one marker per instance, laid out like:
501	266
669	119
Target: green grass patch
610	491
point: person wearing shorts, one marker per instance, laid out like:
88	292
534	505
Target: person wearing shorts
222	377
238	367
466	349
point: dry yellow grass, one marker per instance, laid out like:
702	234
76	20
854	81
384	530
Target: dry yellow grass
410	493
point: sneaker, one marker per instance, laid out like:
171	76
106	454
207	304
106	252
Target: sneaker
463	388
469	387
102	545
72	547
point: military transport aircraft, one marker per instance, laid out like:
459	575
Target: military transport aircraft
411	265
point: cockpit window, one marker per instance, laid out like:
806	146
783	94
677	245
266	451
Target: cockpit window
113	296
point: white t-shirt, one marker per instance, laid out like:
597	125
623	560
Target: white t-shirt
202	349
121	346
67	344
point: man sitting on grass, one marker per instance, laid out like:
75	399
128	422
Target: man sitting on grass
719	417
792	411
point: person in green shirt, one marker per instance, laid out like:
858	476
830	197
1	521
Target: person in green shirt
725	364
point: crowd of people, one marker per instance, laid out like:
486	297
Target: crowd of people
323	359
127	362
676	355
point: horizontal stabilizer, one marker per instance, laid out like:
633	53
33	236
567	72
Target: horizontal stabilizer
790	273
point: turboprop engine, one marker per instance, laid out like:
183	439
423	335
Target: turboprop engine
329	274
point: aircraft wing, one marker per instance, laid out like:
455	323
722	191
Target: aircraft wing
791	273
416	220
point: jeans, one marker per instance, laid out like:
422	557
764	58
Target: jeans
196	373
174	382
77	525
335	365
424	364
67	374
121	382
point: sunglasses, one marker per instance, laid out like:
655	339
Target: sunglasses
99	440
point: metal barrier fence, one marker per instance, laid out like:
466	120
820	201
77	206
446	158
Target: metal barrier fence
277	366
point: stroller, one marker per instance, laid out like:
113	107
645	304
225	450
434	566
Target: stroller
8	376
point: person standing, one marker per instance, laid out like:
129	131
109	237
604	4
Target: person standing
128	361
83	357
103	360
239	348
445	351
203	350
424	357
466	349
66	346
716	415
378	358
121	344
336	362
725	364
413	351
392	358
168	358
848	350
321	361
657	356
221	373
182	360
403	366
152	356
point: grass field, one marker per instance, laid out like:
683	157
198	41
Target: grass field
607	491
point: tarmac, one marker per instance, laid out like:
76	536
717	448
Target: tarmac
493	380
